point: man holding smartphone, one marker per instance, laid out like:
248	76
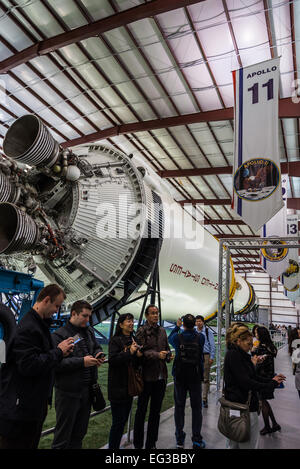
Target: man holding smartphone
75	377
27	376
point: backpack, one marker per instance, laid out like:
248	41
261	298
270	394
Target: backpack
187	363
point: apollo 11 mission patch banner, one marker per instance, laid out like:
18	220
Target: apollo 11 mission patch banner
257	193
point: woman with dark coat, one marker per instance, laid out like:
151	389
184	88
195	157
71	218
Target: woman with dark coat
240	377
265	369
123	350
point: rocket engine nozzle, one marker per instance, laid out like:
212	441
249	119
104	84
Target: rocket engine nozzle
29	141
18	231
7	191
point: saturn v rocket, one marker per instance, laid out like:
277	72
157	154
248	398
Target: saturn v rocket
93	221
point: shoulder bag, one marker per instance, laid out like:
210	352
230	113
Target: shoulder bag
135	381
98	401
235	428
135	378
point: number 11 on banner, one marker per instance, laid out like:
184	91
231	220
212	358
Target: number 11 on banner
255	88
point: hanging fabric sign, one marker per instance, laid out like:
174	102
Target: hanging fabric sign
274	255
291	276
256	173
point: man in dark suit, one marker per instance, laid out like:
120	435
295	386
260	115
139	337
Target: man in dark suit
28	375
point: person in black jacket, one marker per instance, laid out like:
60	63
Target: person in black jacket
265	369
27	377
188	372
123	350
240	377
74	378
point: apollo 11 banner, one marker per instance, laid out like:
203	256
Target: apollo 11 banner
274	255
256	173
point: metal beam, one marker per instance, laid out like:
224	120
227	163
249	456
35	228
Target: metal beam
245	262
146	10
205	202
248	256
249	269
287	109
291	168
292	202
224	222
229	236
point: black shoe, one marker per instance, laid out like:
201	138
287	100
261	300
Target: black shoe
180	443
179	446
265	431
276	428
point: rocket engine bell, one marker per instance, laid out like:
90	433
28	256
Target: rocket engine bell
94	220
18	232
30	142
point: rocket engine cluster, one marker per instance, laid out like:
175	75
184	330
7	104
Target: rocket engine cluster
93	220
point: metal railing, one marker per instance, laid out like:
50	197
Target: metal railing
279	338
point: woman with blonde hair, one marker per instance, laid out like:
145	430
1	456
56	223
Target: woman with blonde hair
240	378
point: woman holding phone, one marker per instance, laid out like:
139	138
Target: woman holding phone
265	369
240	377
123	350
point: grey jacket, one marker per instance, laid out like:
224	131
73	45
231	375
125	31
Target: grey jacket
153	340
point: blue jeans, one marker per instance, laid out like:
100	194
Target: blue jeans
120	412
180	394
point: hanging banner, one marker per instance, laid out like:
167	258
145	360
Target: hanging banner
291	276
292	225
256	172
274	256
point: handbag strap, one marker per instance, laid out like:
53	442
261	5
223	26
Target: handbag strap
249	393
223	387
249	398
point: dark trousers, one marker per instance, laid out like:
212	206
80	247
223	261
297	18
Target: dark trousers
120	412
72	419
154	390
180	392
22	435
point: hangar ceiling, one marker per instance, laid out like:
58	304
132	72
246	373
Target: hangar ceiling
153	78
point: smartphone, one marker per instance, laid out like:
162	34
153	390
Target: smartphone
77	338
